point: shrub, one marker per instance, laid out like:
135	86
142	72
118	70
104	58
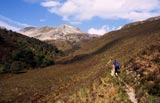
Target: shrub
47	61
18	66
24	55
39	60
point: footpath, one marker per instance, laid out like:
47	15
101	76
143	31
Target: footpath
129	90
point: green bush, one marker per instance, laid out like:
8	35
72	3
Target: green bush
24	55
39	60
18	66
47	62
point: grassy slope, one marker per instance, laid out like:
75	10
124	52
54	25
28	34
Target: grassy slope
60	82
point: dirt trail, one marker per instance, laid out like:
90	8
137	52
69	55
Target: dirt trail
130	91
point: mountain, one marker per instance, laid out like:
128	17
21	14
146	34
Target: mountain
84	76
65	37
19	52
50	33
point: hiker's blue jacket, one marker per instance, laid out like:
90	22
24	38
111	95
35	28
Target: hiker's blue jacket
116	64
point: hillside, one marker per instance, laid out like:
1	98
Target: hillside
143	73
19	52
84	76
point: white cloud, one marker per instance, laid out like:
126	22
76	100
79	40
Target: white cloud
79	10
42	20
50	4
104	29
11	24
3	24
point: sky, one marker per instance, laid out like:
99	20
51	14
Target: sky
91	16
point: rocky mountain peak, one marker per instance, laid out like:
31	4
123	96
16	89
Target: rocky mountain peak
66	29
51	33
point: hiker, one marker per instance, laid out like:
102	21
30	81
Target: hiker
116	67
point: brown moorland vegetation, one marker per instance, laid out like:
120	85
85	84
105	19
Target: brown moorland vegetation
78	78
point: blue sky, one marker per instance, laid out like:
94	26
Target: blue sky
92	16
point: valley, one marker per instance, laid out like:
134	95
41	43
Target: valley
83	76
